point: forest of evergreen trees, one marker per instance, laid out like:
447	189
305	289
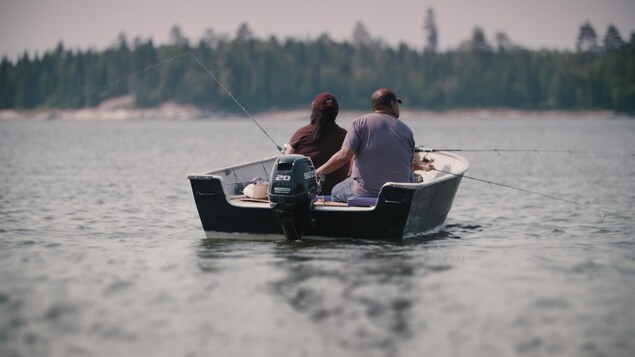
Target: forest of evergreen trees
266	74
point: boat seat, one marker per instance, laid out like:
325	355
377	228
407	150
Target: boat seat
360	201
353	201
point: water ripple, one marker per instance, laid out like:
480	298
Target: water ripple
102	251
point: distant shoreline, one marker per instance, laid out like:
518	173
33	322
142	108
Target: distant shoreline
157	114
123	109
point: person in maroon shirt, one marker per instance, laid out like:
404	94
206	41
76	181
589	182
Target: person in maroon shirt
321	139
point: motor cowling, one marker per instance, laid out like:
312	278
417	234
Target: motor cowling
292	187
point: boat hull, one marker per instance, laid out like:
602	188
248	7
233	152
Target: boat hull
403	210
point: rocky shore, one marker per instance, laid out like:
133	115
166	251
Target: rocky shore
123	108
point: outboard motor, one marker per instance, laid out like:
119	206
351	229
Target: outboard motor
291	190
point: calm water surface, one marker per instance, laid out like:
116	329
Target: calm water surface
102	252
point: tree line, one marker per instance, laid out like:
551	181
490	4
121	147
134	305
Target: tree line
265	74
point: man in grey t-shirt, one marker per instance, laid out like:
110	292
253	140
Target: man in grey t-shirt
383	148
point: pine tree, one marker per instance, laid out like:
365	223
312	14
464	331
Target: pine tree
244	32
361	36
479	42
613	41
587	39
503	42
430	29
177	38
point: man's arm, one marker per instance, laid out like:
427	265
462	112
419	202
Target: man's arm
336	161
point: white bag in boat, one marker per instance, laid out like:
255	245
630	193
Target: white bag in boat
257	190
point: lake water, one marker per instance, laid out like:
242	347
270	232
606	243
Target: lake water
102	252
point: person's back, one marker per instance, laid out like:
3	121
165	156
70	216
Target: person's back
321	139
383	148
321	150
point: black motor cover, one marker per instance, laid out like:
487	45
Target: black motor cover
292	187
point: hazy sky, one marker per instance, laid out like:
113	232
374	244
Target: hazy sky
38	25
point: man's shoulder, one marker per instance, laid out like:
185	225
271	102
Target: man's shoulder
367	116
365	119
377	119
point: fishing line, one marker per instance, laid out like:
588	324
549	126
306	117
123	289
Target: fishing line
161	63
123	78
537	151
234	99
527	191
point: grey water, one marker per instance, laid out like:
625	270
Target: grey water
102	252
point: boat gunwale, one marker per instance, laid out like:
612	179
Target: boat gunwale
452	167
212	173
409	185
215	174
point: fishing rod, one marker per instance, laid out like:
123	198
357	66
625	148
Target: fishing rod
161	63
527	191
537	151
123	78
234	99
